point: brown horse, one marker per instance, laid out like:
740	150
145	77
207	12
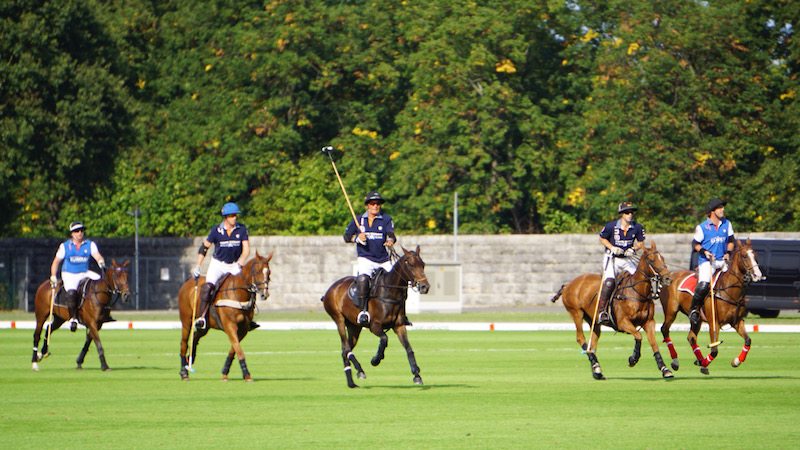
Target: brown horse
387	303
97	298
231	311
632	308
729	307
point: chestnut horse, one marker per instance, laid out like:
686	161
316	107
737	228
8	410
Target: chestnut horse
387	304
632	307
231	311
97	298
729	307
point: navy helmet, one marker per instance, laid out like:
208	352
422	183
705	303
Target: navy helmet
713	204
230	208
374	196
625	207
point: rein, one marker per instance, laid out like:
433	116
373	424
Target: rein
656	283
112	290
746	280
252	288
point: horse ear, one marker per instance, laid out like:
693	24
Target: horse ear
417	249
404	250
269	257
257	255
114	262
125	264
652	245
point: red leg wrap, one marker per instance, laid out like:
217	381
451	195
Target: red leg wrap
697	352
743	354
672	353
707	360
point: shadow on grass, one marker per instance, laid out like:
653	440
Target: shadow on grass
425	387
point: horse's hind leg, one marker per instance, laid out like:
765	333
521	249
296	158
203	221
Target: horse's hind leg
226	368
698	353
401	333
597	371
232	330
745	348
94	332
347	350
37	355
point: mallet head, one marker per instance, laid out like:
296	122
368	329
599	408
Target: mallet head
327	149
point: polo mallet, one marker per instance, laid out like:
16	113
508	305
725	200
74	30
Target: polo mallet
191	329
714	313
328	150
597	304
50	318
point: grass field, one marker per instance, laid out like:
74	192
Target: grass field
482	390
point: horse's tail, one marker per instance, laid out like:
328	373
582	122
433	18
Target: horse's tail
558	294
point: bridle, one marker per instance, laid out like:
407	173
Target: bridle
404	272
743	253
656	280
113	289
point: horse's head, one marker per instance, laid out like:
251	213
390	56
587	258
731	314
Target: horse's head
654	265
257	274
411	268
117	279
744	259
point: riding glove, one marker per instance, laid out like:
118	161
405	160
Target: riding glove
630	252
196	272
53	281
617	251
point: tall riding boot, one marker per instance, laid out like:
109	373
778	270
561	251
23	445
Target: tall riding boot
206	294
72	307
362	292
605	296
698	299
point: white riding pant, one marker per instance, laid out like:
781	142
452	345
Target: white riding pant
71	280
617	265
707	268
365	266
217	268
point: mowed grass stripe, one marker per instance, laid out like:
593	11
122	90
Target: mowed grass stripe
482	390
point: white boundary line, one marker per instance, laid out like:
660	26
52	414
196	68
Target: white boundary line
444	326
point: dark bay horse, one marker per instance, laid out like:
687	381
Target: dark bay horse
729	307
387	304
633	307
231	311
97	298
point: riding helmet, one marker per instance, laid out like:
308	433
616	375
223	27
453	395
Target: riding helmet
75	226
626	206
713	204
230	208
374	196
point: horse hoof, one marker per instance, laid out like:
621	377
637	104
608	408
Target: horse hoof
675	364
418	380
224	378
667	374
248	379
362	375
598	376
375	361
38	356
352	386
79	367
632	362
735	362
704	370
35	367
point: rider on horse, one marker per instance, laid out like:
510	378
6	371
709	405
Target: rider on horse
75	252
621	239
372	236
232	247
713	241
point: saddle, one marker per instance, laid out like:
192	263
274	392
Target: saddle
375	280
689	283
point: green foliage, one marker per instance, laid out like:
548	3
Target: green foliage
541	116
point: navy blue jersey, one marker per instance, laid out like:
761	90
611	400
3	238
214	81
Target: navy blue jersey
624	240
381	228
712	238
228	248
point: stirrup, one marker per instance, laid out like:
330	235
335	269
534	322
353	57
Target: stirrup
604	318
363	318
200	323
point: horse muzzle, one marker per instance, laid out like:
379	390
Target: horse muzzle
423	287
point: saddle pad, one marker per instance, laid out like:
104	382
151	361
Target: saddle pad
688	284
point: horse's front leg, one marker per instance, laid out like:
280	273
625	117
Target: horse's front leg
402	334
353	333
94	333
650	330
348	343
37	355
84	350
382	344
745	348
670	313
698	353
625	325
231	328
